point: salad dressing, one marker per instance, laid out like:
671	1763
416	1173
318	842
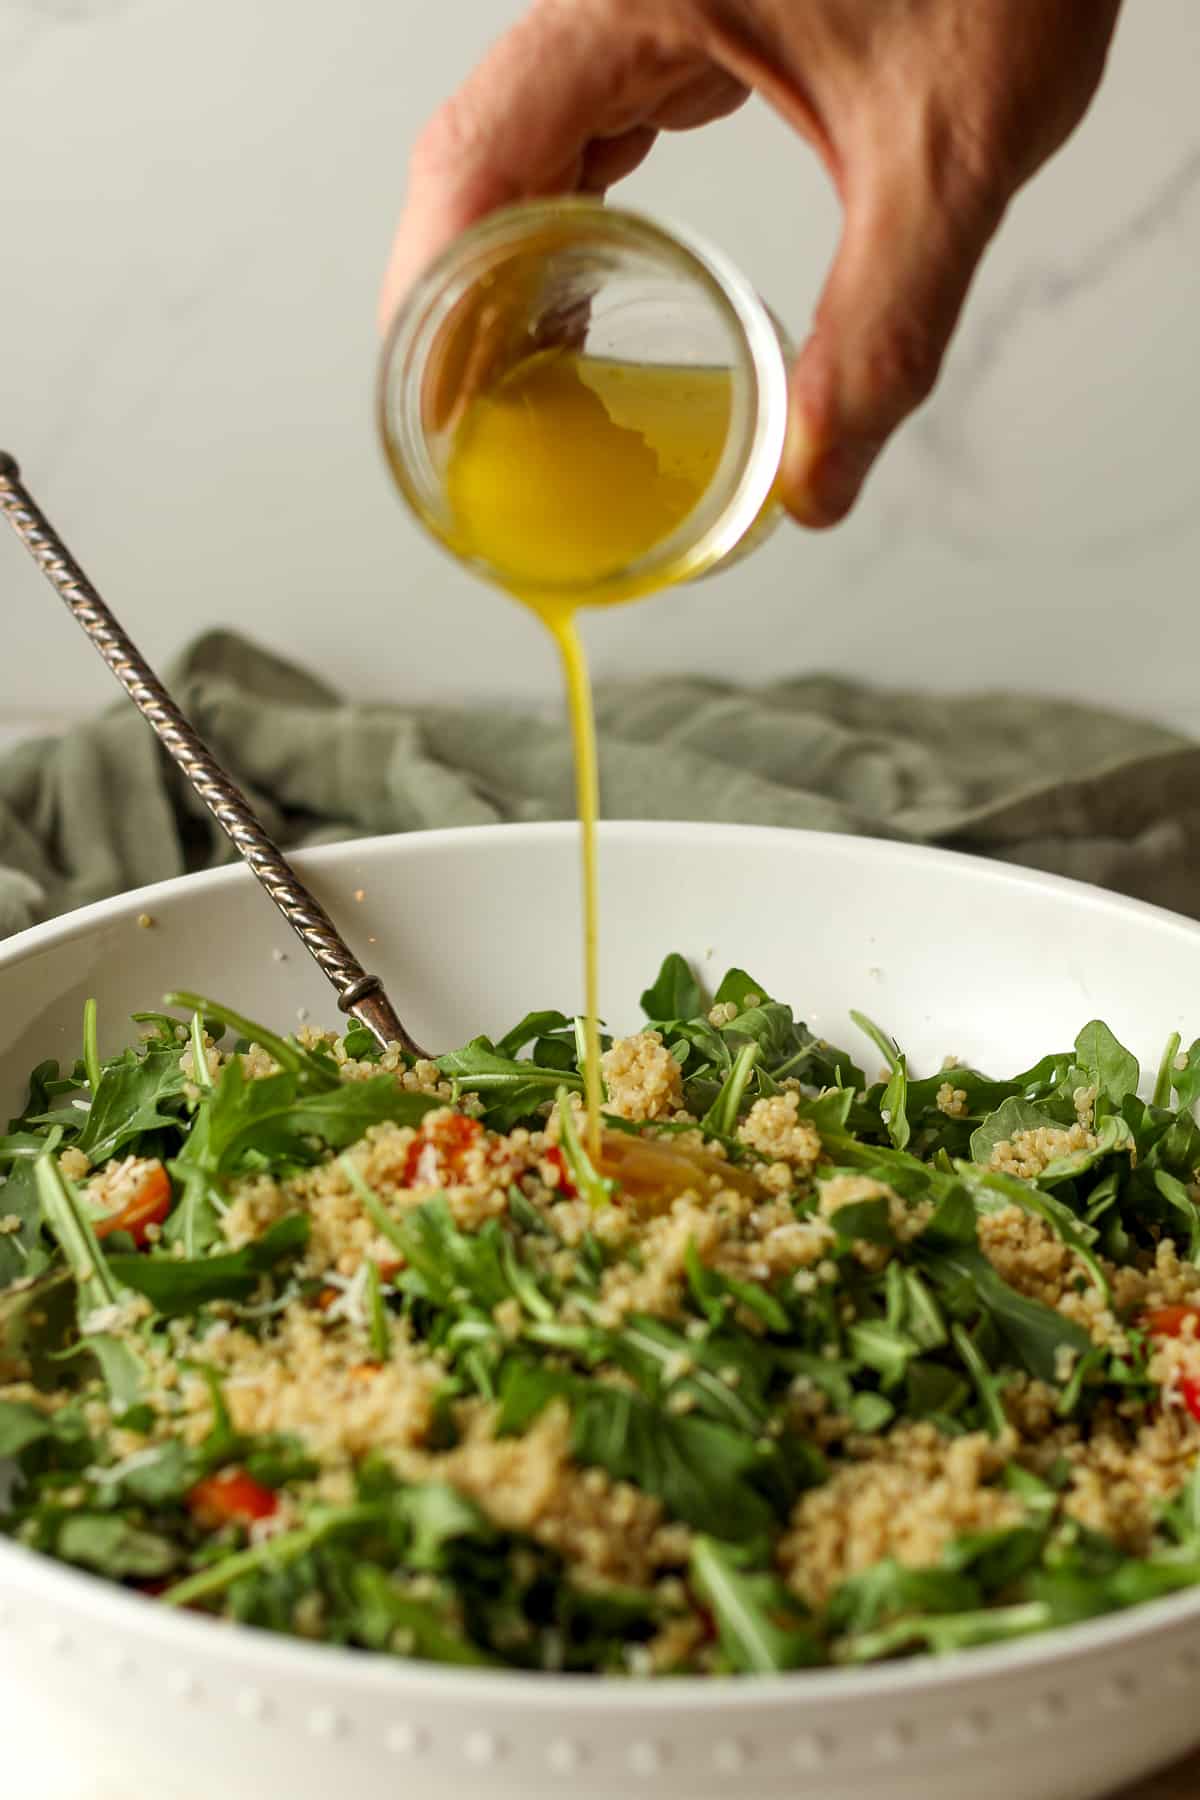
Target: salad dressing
562	475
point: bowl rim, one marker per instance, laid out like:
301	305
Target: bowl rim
106	1604
612	832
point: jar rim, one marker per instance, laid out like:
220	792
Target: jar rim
745	476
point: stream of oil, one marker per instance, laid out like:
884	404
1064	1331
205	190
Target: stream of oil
565	472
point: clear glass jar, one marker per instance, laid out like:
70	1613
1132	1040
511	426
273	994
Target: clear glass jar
615	286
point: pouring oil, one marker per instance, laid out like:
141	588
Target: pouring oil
586	408
568	469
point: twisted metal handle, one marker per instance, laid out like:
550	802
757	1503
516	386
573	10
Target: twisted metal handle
358	993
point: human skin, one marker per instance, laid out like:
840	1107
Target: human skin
928	115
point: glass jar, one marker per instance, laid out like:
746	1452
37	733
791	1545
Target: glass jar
616	287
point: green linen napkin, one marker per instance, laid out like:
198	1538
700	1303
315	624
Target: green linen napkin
1057	786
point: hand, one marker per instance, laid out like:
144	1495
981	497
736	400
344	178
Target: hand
928	115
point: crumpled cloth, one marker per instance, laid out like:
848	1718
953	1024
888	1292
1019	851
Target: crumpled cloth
1054	785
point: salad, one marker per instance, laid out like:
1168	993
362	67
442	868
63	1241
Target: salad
806	1366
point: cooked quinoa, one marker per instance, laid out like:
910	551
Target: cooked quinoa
800	1370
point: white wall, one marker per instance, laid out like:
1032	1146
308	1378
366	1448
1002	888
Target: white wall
197	200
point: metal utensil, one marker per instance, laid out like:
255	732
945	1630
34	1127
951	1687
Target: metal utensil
359	994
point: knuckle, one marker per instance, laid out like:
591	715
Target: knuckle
971	170
904	363
442	141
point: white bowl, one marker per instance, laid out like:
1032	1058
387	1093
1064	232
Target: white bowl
470	930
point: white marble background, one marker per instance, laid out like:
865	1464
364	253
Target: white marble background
197	198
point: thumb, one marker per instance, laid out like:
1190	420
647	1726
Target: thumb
887	313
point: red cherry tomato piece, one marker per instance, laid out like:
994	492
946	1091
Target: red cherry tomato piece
231	1497
148	1205
1169	1321
566	1186
439	1157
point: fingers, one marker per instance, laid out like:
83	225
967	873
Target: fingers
570	100
510	132
910	245
605	161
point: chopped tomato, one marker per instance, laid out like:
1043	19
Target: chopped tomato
149	1204
440	1157
231	1497
1169	1321
557	1160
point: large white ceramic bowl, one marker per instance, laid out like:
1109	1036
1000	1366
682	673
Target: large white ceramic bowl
470	929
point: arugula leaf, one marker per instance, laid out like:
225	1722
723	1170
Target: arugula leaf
701	1471
1163	1080
952	1225
1112	1068
315	1067
894	1106
1015	1115
1179	1198
864	1221
717	1295
773	1028
991	1187
886	1045
37	1322
453	1266
132	1097
870	1412
377	1319
45	1085
110	1545
175	1287
390	1619
97	1287
439	1517
22	1425
201	1073
763	1628
1113	1136
987	1386
275	1553
942	1634
533	1026
918	1313
91	1053
1032	1331
675	993
1186	1081
513	1090
593	1187
278	1117
163	1474
722	1116
19	1200
739	988
882	1348
361	1044
195	1223
1181	1517
724	1375
889	1590
830	1111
